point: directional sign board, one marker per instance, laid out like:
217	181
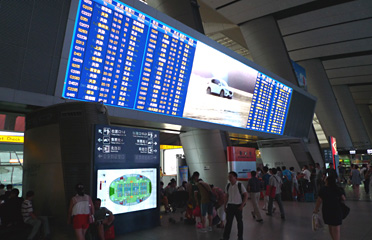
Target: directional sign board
125	145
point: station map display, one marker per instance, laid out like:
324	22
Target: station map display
130	189
127	190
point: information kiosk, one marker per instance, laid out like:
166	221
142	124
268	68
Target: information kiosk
127	171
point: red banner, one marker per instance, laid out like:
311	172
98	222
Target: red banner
242	160
334	150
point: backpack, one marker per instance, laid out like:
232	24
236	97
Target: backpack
212	196
240	190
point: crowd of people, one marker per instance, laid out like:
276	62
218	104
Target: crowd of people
208	205
272	185
209	202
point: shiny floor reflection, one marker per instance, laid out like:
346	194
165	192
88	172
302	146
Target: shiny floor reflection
357	226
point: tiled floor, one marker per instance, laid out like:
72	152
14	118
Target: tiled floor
357	226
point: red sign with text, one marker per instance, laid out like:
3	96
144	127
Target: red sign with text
241	160
334	150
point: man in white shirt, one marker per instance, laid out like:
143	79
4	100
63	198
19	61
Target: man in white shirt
306	173
276	181
236	198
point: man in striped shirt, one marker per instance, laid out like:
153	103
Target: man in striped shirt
29	217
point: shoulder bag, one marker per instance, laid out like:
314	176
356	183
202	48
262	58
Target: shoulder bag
344	209
271	190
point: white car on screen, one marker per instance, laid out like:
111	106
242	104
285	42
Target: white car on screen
219	87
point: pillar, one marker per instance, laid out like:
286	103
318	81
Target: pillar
58	151
185	11
205	152
267	48
354	123
327	109
366	116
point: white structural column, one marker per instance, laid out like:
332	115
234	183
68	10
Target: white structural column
366	116
205	152
352	118
267	47
185	11
327	109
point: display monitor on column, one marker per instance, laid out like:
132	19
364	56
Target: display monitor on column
127	168
127	190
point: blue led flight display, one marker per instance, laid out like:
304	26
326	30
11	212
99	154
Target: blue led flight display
269	105
124	58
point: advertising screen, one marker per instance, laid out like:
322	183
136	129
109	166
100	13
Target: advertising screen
125	58
127	190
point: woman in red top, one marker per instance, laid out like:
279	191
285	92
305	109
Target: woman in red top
81	209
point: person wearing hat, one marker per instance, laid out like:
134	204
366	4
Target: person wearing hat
81	210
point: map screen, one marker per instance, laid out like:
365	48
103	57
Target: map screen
127	190
124	58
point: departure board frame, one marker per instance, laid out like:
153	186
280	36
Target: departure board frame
190	97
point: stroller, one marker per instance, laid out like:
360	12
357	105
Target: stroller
178	202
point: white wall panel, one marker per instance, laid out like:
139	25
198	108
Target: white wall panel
278	157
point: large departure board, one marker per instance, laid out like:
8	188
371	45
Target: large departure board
125	58
269	105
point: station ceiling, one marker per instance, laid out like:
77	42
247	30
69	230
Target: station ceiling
339	33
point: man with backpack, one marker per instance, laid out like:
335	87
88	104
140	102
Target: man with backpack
236	198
